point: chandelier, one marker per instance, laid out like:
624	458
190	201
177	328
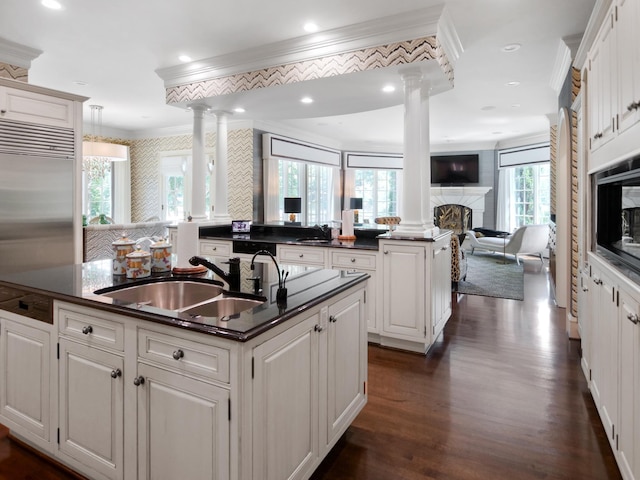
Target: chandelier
95	149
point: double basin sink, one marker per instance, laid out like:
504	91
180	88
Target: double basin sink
191	297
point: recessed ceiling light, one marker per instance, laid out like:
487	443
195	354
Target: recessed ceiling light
80	83
487	108
184	58
310	27
239	110
388	89
512	84
496	133
306	100
52	4
512	47
515	105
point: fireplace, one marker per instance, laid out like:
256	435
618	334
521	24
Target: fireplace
453	217
471	197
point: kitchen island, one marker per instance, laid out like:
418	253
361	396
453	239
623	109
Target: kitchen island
116	390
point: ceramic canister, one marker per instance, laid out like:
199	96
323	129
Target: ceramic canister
160	256
121	248
138	263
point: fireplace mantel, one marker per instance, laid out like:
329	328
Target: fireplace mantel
472	197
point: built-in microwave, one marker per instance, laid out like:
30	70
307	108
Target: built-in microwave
616	211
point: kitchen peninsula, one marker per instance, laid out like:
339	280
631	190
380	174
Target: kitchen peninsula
119	390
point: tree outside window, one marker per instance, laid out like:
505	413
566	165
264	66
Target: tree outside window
531	190
98	187
379	192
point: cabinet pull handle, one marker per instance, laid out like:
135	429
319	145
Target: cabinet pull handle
333	319
116	373
633	317
386	252
3	112
214	248
444	248
87	330
138	381
353	260
301	255
178	354
318	328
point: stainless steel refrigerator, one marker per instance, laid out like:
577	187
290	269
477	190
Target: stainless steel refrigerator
36	196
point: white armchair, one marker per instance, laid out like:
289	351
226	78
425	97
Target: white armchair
528	239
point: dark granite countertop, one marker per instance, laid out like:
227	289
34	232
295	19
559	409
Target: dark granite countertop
306	286
366	238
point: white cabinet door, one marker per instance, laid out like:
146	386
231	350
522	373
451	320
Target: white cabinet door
25	379
25	106
603	85
628	427
92	408
346	365
440	285
183	427
403	287
628	51
604	365
285	403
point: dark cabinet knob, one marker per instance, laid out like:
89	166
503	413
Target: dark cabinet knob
138	381
87	330
178	354
116	373
318	328
333	319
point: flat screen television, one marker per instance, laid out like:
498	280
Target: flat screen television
455	169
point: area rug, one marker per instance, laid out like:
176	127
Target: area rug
488	276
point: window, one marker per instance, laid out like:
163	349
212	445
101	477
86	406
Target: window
379	192
175	197
314	183
524	196
531	195
97	187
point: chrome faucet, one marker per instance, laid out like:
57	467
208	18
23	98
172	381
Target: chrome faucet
232	277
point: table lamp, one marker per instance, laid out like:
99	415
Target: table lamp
355	204
292	206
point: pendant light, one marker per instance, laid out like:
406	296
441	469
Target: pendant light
101	150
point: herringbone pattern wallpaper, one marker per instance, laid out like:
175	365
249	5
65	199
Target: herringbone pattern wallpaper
399	53
145	172
15	73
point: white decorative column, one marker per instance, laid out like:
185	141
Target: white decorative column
221	205
416	164
425	162
199	166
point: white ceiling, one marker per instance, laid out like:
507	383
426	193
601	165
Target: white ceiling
116	47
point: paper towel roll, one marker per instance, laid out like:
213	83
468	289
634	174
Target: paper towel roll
347	223
188	235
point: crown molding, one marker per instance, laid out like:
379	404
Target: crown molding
448	37
561	66
381	31
17	54
598	14
542	137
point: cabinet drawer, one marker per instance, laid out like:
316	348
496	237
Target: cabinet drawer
306	255
184	355
215	249
91	327
349	260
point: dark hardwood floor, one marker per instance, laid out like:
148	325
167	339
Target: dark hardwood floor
500	396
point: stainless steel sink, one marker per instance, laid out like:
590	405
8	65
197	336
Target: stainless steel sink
168	295
313	240
223	307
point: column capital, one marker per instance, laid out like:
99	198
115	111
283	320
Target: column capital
411	76
199	110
